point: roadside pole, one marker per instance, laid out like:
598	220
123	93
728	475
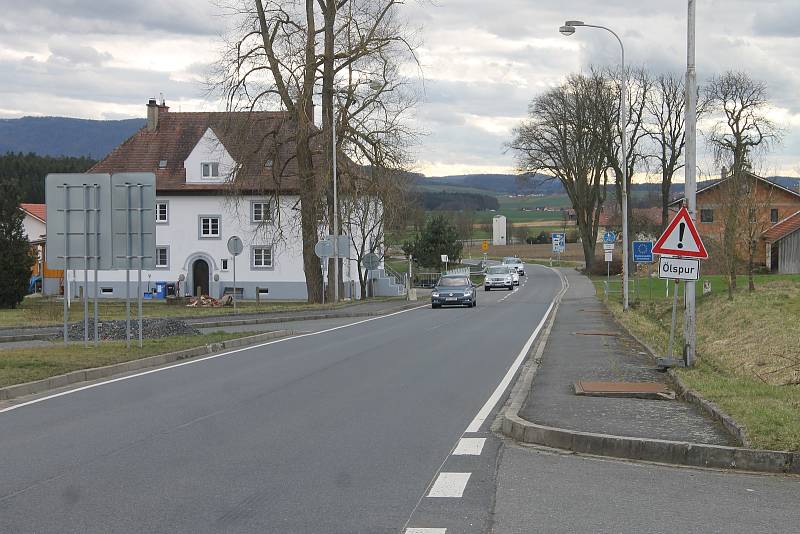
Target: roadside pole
689	325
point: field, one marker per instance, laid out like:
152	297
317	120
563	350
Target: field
747	350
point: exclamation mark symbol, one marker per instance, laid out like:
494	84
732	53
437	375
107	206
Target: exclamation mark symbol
681	229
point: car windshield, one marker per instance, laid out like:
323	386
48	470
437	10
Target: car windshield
497	270
512	260
453	282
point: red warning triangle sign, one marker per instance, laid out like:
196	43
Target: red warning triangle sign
681	238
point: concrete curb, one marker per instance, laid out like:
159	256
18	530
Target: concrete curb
83	375
27	337
654	450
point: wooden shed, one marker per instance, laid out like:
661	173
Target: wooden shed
783	245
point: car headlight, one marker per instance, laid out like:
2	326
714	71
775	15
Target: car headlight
435	294
468	293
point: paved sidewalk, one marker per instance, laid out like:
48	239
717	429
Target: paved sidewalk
569	356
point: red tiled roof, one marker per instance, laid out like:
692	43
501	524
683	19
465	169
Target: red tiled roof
782	228
248	137
37	210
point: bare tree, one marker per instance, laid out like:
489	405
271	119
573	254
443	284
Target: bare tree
275	60
665	126
740	132
565	136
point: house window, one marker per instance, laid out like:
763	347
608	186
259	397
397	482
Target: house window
210	169
162	212
260	212
224	263
209	227
261	257
773	215
162	257
706	216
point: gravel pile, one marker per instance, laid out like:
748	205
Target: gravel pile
151	328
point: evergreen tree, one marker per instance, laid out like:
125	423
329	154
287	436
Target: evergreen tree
15	253
438	237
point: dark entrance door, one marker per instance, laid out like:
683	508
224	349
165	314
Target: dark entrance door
200	277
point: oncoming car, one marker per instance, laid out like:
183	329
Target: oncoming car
516	264
498	276
455	290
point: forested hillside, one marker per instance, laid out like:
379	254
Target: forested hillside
29	171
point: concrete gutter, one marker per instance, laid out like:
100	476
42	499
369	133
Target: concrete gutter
107	371
654	450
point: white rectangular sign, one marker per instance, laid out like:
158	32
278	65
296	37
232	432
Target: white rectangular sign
608	247
678	268
609	256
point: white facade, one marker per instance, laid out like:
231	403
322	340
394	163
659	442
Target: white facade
35	229
499	230
209	162
190	258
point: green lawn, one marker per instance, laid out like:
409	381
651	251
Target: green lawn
26	365
747	351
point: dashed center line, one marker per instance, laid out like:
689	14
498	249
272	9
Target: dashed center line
426	531
449	485
469	446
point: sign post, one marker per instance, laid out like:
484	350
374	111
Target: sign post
681	249
235	247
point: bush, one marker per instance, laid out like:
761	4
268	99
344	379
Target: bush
600	268
15	253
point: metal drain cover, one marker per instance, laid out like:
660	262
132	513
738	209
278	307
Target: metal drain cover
639	390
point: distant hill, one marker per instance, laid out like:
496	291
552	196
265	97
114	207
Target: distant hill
497	183
62	136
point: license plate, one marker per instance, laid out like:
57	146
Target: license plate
451	298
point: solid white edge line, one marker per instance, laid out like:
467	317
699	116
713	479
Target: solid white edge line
426	531
487	408
204	358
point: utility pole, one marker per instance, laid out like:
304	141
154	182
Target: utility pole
689	324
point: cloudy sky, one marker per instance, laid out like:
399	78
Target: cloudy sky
483	60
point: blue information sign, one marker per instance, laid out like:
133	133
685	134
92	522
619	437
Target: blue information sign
559	242
642	251
609	237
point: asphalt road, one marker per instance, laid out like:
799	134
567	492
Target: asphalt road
341	431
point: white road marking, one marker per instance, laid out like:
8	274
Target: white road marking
449	485
469	446
198	360
487	408
426	531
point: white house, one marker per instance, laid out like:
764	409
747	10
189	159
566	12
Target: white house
218	175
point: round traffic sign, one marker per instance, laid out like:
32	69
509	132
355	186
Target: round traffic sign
324	248
235	245
371	261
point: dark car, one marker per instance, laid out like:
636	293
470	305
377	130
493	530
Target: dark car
455	290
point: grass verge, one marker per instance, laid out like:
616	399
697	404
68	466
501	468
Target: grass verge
43	311
26	365
747	361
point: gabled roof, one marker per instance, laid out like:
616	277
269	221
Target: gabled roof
250	138
679	201
37	211
782	228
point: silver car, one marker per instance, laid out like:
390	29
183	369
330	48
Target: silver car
516	264
498	276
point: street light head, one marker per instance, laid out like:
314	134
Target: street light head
574	23
566	30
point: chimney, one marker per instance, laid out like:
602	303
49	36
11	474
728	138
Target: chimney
152	115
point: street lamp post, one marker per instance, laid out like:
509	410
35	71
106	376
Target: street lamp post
691	174
568	29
